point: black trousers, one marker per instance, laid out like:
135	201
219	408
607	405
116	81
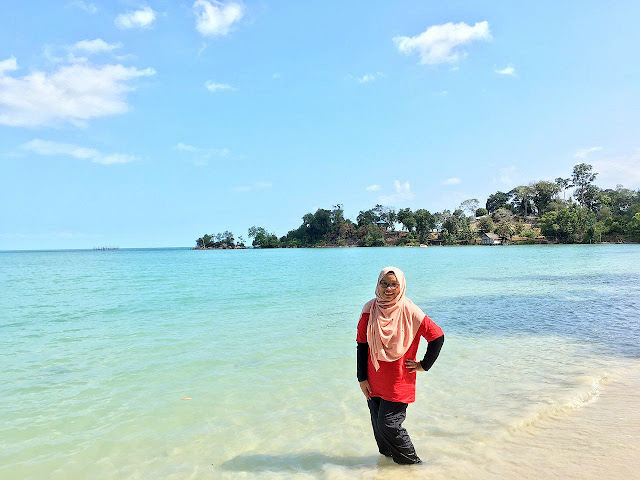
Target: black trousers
393	440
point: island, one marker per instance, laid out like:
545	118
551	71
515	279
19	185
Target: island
537	213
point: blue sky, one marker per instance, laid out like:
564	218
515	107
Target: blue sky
148	124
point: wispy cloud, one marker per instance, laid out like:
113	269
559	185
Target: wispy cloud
443	43
402	193
373	188
215	18
200	155
451	181
366	78
508	70
276	76
70	94
141	18
217	87
255	186
87	7
583	152
49	148
94	46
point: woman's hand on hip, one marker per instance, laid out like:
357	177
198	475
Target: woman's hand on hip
413	366
366	388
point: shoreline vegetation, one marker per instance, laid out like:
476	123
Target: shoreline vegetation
537	213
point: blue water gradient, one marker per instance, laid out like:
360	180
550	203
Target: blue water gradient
99	347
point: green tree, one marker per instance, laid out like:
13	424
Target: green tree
582	177
262	238
407	219
496	201
481	212
543	194
205	241
371	236
505	230
368	217
569	225
521	199
633	227
424	223
440	217
457	228
485	225
563	184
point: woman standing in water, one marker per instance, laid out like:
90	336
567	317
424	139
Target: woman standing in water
389	332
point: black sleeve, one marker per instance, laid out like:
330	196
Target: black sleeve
363	354
433	350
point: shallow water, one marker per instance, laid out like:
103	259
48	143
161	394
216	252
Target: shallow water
98	349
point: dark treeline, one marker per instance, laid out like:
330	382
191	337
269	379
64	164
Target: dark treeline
540	212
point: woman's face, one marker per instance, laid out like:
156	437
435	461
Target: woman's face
389	285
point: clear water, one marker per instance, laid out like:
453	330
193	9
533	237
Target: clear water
98	349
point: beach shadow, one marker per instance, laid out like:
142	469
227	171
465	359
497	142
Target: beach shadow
294	462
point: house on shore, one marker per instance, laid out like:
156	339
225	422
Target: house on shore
491	239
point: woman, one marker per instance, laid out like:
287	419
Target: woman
389	332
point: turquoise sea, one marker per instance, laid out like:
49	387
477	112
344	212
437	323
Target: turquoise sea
99	348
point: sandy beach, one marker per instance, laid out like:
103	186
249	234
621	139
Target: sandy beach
595	439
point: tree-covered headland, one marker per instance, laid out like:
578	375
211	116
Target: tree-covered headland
540	212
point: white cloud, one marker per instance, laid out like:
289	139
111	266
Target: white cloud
255	186
87	7
403	193
216	18
623	170
48	148
187	148
8	65
44	147
441	43
216	87
373	188
276	76
94	46
136	19
583	152
366	78
113	158
451	181
201	156
508	70
71	94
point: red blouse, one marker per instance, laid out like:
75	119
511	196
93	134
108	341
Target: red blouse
393	381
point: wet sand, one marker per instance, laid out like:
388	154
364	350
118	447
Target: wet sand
599	440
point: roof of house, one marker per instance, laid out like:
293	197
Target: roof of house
492	236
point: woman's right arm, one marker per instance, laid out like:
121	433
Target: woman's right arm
363	355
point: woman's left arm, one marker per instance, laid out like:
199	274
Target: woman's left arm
433	350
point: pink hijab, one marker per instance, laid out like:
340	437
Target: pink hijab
393	324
